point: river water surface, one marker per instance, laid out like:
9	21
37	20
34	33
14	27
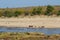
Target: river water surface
43	30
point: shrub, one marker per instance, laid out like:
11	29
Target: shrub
34	11
58	14
49	10
7	14
17	13
39	11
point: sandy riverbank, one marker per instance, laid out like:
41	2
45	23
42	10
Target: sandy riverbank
48	22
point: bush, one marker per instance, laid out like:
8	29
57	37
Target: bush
7	14
39	11
49	10
34	11
17	13
58	14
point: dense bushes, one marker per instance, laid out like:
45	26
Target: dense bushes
37	11
34	12
17	13
11	14
26	12
58	14
7	14
49	10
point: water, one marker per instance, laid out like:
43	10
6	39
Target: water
43	30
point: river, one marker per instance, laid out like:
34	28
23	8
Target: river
43	30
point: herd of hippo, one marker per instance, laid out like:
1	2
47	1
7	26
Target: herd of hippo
31	26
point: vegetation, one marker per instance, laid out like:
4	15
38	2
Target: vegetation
36	11
27	36
40	10
17	13
7	14
49	10
26	13
58	14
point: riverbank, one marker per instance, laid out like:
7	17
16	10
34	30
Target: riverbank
27	36
35	22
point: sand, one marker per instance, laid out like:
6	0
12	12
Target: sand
37	22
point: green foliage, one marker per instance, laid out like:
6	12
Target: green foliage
17	13
10	14
1	14
39	10
58	14
34	11
7	14
49	10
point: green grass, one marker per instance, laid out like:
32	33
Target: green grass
27	36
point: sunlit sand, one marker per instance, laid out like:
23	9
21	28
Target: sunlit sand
47	22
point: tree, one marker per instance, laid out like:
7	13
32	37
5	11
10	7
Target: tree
39	11
34	11
58	14
49	10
